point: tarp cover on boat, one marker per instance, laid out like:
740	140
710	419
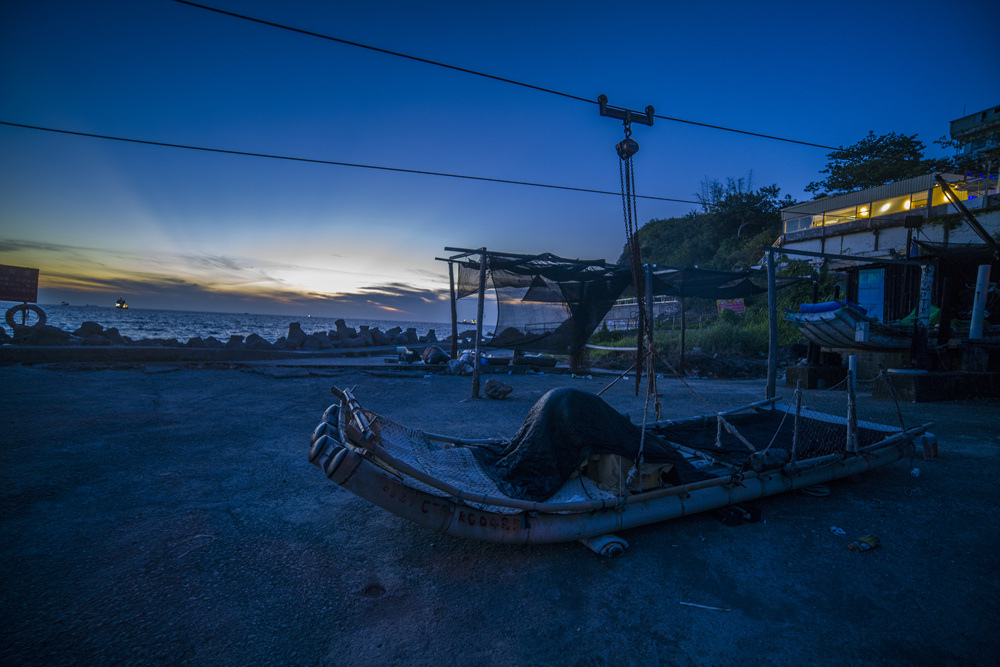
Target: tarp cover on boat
562	429
545	303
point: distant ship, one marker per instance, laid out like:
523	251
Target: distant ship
120	303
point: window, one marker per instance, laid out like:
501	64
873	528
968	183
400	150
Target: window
840	215
890	206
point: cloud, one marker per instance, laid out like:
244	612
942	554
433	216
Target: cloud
195	281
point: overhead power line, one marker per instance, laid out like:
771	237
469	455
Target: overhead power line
485	75
291	158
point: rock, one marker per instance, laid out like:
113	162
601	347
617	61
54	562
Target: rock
235	343
431	337
257	342
378	337
392	333
280	343
411	336
169	342
113	336
214	343
46	335
196	342
5	337
311	342
366	336
88	329
496	389
296	336
345	332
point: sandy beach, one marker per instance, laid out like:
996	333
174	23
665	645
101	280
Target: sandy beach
167	514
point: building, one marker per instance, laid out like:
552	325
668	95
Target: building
896	221
978	135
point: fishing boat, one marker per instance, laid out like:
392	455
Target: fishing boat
570	472
842	324
120	303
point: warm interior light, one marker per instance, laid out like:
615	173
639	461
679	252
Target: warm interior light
906	204
863	211
885	207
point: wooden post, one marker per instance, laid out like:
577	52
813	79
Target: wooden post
772	326
852	415
479	322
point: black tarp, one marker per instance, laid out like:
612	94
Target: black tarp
562	429
708	284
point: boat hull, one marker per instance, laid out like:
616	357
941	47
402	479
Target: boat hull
351	469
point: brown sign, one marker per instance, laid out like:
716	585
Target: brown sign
18	283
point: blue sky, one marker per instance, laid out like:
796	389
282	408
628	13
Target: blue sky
173	228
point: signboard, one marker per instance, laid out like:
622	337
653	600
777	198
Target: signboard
18	283
735	305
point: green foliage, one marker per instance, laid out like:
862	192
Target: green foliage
874	161
728	233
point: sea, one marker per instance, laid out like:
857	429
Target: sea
138	323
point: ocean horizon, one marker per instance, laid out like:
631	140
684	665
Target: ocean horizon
139	323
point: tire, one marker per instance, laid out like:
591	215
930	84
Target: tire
25	308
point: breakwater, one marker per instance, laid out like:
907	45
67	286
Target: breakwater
340	337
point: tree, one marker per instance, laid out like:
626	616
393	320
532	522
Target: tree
874	161
985	160
735	221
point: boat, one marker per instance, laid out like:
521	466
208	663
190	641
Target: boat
532	490
842	324
120	303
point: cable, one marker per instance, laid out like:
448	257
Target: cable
485	75
334	162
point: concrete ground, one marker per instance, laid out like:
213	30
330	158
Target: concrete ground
164	514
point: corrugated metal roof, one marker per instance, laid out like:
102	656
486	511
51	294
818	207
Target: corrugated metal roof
897	189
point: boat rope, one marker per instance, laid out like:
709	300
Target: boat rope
626	149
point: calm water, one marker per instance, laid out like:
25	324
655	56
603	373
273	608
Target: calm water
137	323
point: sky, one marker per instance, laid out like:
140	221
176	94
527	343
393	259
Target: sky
196	230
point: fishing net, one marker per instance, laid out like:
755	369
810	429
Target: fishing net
815	424
545	303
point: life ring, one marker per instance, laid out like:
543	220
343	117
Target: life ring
25	307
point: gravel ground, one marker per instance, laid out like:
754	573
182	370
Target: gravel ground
168	515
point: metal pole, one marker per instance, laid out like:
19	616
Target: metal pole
683	331
798	412
479	322
772	326
454	311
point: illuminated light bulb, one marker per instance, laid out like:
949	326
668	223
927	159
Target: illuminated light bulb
906	204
